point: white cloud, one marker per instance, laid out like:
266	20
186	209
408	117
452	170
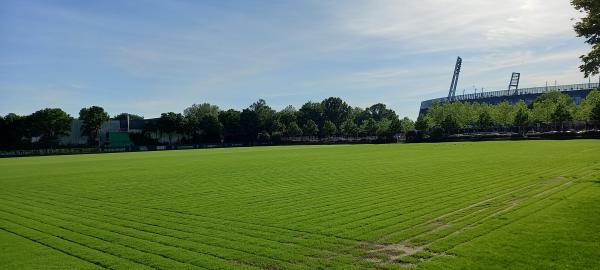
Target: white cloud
451	24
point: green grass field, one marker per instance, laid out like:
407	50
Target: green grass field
486	205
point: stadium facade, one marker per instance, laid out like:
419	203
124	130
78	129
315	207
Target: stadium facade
511	95
576	91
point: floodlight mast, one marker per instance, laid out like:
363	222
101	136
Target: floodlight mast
454	83
514	82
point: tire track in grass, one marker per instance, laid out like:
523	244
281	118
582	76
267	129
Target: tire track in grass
480	223
467	221
431	214
548	186
521	212
431	225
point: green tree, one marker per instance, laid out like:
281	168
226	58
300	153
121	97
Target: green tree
293	130
485	120
349	128
589	28
15	130
211	129
288	115
92	118
379	112
311	111
329	129
545	105
132	117
406	124
502	114
171	124
561	114
522	118
50	124
384	128
369	127
450	124
595	113
232	129
335	110
265	115
201	123
279	127
200	110
422	123
310	128
249	125
587	105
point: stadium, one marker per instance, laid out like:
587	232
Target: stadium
512	94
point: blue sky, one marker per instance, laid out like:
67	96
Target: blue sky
148	57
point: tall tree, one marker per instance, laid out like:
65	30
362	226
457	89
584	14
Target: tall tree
202	123
171	124
265	115
591	101
502	114
249	125
123	116
450	124
521	118
406	124
287	115
311	128
561	114
369	127
421	123
50	124
545	105
379	112
595	113
335	110
293	130
232	129
349	128
16	130
329	129
485	120
384	128
589	27
92	118
311	111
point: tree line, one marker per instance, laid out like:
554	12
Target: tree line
554	109
207	123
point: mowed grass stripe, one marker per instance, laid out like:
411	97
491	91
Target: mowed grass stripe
250	229
288	207
497	222
470	221
5	227
111	243
193	241
436	208
473	208
68	246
